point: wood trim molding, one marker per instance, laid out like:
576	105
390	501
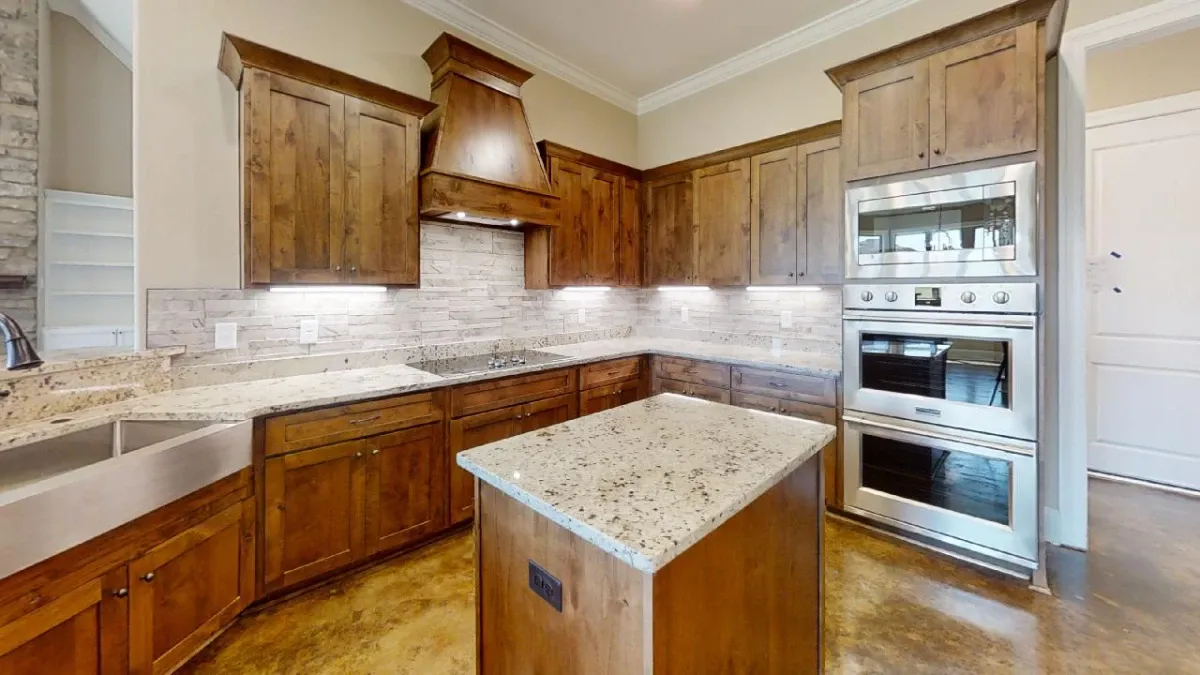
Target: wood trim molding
551	149
1169	105
238	53
798	137
983	25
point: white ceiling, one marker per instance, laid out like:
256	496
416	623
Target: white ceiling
642	54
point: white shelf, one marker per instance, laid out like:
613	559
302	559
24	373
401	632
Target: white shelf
81	233
89	263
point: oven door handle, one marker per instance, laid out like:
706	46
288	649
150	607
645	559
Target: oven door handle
1020	321
926	433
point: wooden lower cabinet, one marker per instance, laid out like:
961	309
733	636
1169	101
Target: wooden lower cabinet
82	632
406	488
497	425
314	512
609	396
806	411
187	589
701	391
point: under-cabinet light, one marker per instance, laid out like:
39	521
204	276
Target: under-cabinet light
670	289
514	222
587	289
461	215
329	289
784	289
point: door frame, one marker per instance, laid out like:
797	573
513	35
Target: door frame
1067	525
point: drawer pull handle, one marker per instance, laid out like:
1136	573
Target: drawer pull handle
690	371
120	593
147	577
366	419
374	451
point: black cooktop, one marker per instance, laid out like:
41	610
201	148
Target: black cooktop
483	363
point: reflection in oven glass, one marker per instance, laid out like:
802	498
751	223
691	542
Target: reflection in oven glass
989	223
951	369
956	481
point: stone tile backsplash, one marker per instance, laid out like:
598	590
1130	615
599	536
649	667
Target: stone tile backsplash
473	289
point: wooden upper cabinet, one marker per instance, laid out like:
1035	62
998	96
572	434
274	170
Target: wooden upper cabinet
184	591
670	233
886	122
983	98
82	632
823	199
330	166
602	230
383	228
630	273
776	218
406	487
567	242
721	209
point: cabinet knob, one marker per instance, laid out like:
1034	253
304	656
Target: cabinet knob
791	274
147	577
353	269
517	417
337	268
120	593
921	155
358	455
937	151
374	451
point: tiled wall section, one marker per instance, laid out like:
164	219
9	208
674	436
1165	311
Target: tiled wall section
19	155
472	288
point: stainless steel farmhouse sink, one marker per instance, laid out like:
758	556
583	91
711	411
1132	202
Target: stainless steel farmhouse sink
58	492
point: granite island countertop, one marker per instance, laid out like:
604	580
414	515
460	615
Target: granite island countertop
241	400
646	481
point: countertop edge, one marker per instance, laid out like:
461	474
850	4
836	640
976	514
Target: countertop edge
624	552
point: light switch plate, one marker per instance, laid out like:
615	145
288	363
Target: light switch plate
582	315
226	336
308	331
683	314
785	319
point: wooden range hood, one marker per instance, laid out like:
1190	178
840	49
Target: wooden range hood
479	163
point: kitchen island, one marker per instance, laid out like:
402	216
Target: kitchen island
666	536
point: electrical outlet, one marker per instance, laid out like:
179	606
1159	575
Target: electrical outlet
226	336
582	315
308	331
776	346
683	314
785	319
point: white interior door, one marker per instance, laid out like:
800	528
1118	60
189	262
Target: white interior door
1144	316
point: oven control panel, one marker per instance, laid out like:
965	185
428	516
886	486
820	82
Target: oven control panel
981	298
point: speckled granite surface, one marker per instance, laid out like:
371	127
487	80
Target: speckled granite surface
239	400
647	480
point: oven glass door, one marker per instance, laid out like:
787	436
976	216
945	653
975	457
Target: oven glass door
975	377
971	492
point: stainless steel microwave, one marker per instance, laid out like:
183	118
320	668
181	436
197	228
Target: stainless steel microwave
980	223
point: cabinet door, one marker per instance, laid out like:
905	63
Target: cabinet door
702	391
82	632
722	218
185	590
609	396
983	98
886	122
567	242
823	199
777	239
382	223
631	233
548	412
470	432
670	246
406	487
296	176
314	512
602	226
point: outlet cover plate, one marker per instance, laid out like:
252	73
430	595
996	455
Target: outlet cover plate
785	319
683	314
308	331
226	336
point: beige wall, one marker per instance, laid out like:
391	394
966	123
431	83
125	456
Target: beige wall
1144	72
794	92
91	131
186	114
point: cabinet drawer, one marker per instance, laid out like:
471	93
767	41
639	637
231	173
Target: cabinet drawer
806	411
791	386
609	372
346	423
696	372
472	399
714	394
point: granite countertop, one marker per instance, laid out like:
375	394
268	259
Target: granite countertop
75	359
647	480
256	398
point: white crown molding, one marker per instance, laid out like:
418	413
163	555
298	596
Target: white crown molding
828	26
478	26
76	10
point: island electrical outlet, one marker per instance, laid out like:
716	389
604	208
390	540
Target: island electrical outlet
545	585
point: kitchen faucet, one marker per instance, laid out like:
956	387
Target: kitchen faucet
20	352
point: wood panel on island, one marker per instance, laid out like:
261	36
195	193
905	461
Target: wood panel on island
764	213
329	177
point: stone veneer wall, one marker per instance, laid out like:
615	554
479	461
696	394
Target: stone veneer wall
473	288
19	156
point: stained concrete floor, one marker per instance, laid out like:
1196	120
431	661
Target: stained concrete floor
1132	605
